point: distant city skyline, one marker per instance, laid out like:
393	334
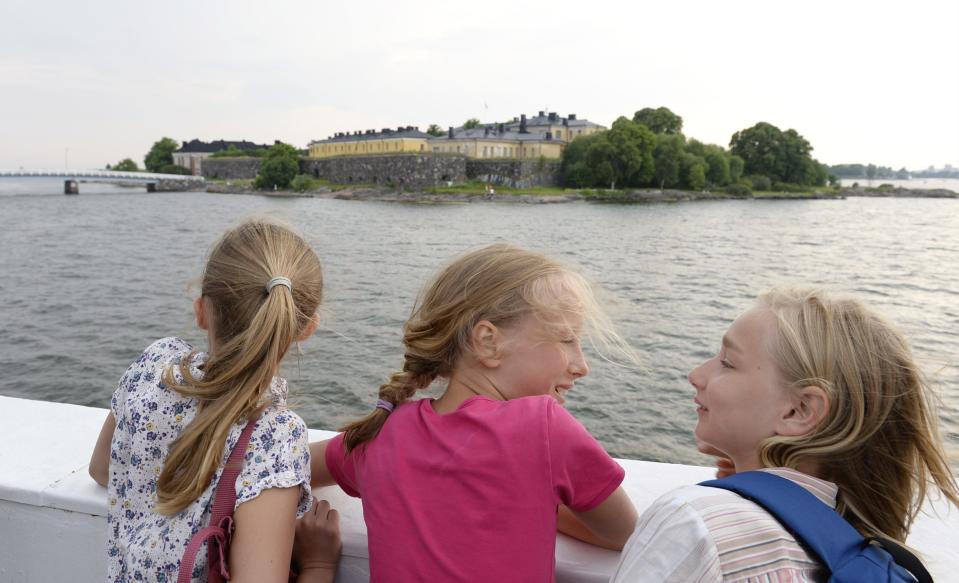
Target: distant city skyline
88	86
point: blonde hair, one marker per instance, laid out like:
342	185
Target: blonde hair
252	328
499	283
879	441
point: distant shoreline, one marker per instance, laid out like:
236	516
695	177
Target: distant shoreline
609	197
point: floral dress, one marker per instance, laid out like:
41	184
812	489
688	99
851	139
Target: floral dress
145	545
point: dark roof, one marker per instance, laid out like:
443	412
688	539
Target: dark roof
544	120
218	146
384	134
480	134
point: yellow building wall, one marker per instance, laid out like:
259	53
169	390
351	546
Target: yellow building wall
367	147
499	149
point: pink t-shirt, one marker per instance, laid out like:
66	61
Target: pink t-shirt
472	495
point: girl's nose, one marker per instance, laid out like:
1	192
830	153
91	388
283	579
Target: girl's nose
578	366
695	377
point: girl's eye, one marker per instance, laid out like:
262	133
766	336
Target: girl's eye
725	363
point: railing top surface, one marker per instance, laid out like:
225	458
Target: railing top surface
48	446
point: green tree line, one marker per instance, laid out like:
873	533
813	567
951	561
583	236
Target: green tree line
650	150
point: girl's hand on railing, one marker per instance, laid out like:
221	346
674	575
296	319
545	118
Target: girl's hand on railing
317	546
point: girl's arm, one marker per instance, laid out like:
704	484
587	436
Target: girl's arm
100	460
319	473
608	525
263	541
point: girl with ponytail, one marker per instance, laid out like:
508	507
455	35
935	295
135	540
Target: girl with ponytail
467	487
177	414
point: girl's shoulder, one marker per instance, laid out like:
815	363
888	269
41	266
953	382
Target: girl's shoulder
170	349
165	351
277	420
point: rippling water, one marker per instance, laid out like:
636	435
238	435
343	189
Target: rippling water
88	281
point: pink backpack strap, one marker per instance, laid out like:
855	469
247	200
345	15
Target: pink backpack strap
220	530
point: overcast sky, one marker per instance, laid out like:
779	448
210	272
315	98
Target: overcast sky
89	83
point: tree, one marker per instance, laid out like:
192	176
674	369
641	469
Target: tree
717	165
160	154
736	166
126	165
279	167
435	130
659	121
780	156
667	155
632	152
693	169
470	124
575	169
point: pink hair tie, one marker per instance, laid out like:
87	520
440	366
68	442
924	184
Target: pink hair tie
381	404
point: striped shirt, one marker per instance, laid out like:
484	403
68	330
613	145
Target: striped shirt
700	534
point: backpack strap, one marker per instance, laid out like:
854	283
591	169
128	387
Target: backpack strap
903	557
823	531
820	528
217	535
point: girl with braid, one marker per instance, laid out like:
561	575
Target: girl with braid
466	487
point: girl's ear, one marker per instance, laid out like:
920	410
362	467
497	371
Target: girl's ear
809	407
310	328
199	310
484	339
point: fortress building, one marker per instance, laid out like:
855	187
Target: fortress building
363	143
542	136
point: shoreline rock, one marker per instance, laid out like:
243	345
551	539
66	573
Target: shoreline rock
618	197
900	192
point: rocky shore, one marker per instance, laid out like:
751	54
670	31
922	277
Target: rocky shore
614	197
898	191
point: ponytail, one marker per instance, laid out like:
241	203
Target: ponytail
254	326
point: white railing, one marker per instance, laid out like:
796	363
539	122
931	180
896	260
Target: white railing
53	525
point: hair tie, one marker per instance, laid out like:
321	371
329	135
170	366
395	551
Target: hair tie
381	404
278	281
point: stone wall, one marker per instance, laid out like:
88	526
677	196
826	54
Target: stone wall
231	168
402	171
193	183
515	173
408	171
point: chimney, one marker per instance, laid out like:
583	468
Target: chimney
486	131
549	135
522	124
541	113
451	132
572	117
501	129
552	116
565	122
399	128
515	119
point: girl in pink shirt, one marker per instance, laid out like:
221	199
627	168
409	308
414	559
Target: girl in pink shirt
466	487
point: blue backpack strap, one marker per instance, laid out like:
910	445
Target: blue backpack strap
833	540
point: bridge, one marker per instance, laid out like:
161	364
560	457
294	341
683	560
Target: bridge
153	181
